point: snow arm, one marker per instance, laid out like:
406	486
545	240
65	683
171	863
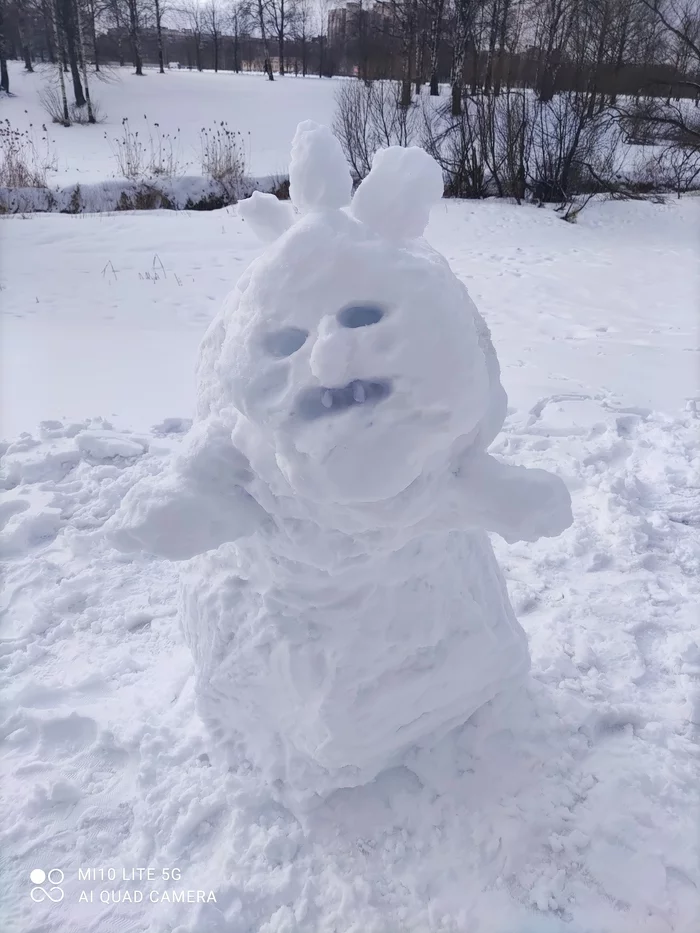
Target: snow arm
518	503
198	504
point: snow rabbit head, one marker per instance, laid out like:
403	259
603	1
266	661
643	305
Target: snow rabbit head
349	343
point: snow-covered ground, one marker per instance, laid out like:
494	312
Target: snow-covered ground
573	808
265	113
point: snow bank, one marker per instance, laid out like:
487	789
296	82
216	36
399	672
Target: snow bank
345	602
179	193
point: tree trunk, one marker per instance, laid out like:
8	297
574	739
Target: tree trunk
408	51
24	42
266	51
458	73
619	60
420	59
280	42
81	51
47	18
435	36
600	53
135	37
61	79
493	33
502	49
4	76
159	33
93	31
216	54
70	34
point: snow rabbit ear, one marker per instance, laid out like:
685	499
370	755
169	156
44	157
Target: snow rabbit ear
395	198
319	176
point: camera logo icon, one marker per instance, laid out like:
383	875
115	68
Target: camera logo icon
41	892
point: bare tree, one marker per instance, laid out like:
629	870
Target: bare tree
22	11
69	34
117	15
83	64
53	15
134	20
465	14
192	15
279	14
405	16
553	21
322	7
671	120
238	18
159	13
300	31
92	11
267	66
437	9
212	23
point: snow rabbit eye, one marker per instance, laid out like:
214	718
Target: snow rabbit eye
360	315
284	342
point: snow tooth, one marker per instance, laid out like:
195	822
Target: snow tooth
358	392
327	399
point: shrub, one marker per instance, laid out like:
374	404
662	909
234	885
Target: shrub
674	168
143	198
223	157
52	102
458	145
279	186
24	162
151	154
130	152
164	160
369	116
81	116
516	145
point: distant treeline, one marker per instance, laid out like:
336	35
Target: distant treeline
613	47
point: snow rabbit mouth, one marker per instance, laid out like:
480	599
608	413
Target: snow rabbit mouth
321	402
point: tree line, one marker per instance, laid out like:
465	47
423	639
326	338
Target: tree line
277	36
620	46
605	51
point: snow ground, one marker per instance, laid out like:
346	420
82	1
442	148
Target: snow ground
572	807
184	100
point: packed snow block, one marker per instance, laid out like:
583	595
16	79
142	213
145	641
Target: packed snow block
334	496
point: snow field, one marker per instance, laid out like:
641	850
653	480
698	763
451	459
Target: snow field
586	786
178	100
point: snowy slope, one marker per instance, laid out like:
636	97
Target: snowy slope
178	100
573	809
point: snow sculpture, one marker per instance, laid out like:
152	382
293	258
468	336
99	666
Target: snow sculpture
342	601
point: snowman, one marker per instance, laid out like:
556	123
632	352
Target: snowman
334	498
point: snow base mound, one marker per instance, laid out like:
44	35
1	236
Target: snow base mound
334	495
